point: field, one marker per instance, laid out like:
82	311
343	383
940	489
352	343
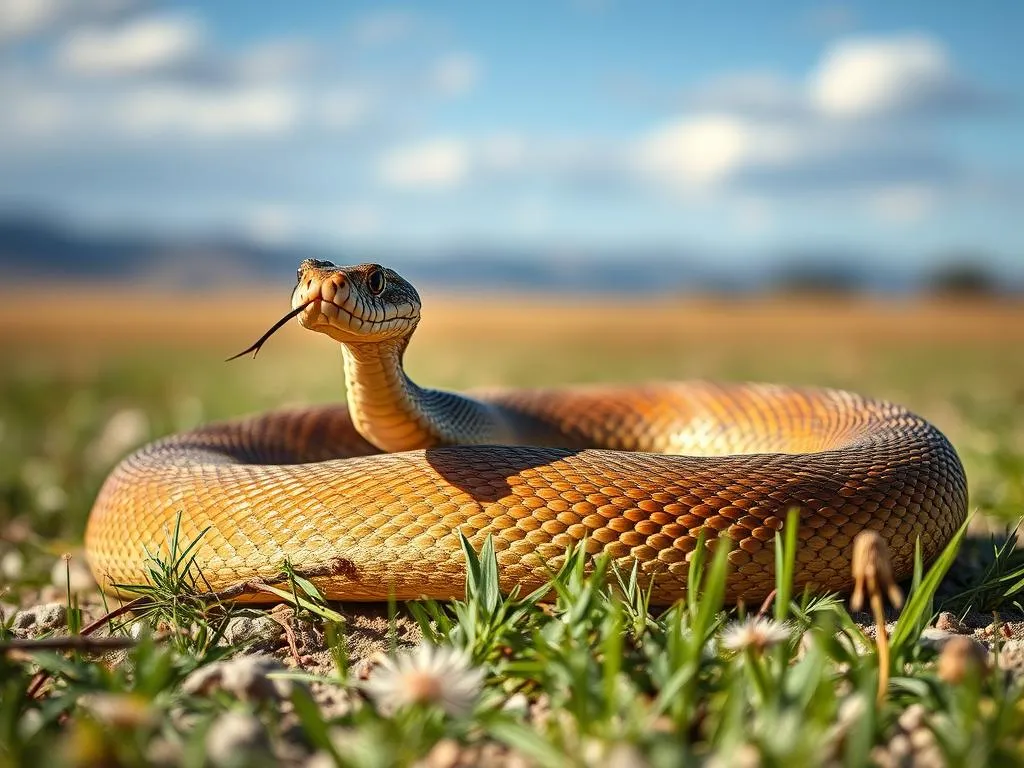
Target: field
595	680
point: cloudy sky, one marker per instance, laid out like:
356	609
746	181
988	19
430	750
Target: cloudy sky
736	129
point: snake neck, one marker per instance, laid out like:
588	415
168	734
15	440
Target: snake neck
394	414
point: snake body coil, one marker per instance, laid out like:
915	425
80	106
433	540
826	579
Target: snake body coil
635	472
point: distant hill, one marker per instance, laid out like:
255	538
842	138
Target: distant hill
34	249
38	249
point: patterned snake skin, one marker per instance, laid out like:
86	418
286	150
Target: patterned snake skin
635	472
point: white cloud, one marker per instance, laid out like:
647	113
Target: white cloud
138	45
455	74
695	152
20	19
758	131
210	114
433	164
869	77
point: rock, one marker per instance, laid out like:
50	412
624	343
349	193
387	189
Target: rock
40	619
1011	657
255	631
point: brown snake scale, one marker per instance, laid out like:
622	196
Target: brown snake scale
637	473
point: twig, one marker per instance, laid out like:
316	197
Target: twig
763	610
42	675
68	643
115	614
289	633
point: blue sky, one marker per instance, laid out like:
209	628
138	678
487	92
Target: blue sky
736	131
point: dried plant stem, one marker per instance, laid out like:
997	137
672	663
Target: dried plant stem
882	643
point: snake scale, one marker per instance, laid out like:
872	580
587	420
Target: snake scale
368	500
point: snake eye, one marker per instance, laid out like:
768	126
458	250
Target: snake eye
376	281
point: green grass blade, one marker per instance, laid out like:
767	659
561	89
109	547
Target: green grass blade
918	608
785	563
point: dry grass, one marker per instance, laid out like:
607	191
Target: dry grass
105	316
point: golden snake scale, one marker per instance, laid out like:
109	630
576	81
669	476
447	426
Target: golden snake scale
369	500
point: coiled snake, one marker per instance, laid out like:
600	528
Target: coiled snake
369	500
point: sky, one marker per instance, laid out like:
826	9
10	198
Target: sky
734	130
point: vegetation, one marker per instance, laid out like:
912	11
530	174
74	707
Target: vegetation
589	676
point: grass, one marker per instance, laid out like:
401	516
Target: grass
592	677
610	676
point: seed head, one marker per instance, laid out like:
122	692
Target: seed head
872	570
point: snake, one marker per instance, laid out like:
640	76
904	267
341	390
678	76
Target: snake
374	498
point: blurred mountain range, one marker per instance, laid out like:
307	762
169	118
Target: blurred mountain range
37	248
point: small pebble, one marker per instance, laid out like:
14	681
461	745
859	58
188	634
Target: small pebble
163	753
445	754
246	677
12	564
921	739
320	760
935	639
123	431
29	723
120	710
948	622
961	658
237	739
625	755
912	718
72	572
900	747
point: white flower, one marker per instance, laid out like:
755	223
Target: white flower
755	634
428	674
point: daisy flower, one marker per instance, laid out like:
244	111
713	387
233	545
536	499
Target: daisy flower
429	674
754	634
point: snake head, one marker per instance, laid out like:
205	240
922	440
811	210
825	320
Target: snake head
363	303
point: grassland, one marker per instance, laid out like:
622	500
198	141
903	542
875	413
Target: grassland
85	376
